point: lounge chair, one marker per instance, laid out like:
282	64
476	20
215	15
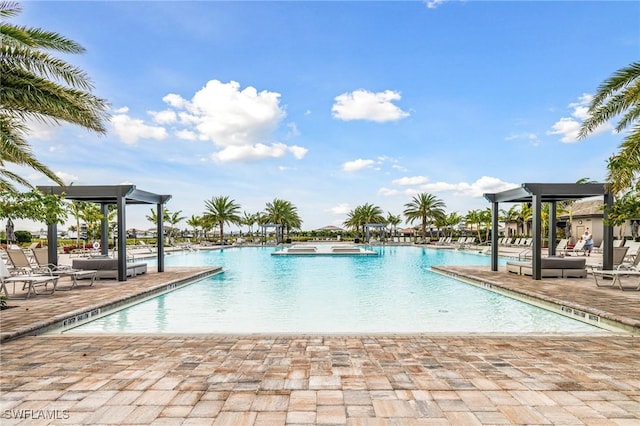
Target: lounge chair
562	245
558	267
21	262
579	247
41	255
28	281
634	249
621	269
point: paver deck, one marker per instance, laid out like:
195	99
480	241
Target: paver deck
460	379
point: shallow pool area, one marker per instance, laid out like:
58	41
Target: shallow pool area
394	292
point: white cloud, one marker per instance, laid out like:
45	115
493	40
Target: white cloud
388	192
365	105
164	117
130	130
355	165
175	100
569	127
187	135
256	152
485	184
240	122
293	131
67	178
414	180
432	4
340	209
298	151
532	138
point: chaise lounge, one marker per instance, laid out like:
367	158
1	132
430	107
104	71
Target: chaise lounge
552	267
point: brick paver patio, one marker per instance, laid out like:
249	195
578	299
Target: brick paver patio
426	379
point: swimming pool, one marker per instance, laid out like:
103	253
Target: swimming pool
394	292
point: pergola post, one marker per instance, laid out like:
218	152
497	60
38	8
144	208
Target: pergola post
52	243
160	239
607	233
494	236
536	205
122	238
552	228
104	229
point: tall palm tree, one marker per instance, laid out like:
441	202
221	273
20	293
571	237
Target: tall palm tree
39	87
394	221
284	213
475	217
195	222
221	210
361	215
452	220
619	95
424	207
173	219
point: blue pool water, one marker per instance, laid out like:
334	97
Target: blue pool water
394	292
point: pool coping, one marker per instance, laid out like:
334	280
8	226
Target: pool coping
74	317
589	315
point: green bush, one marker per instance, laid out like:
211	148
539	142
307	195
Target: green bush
23	236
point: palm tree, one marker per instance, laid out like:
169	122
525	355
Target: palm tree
195	222
284	213
221	210
475	217
619	94
173	219
37	86
394	221
361	215
424	207
452	220
250	219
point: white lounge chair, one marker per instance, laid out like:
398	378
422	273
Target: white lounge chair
614	275
30	282
41	256
579	247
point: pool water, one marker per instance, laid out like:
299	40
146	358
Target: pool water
394	292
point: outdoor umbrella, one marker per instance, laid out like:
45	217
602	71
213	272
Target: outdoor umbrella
11	236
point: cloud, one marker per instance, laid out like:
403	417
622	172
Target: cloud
256	152
67	178
164	117
356	165
485	184
388	192
532	138
239	122
340	209
130	130
569	127
365	105
432	4
414	180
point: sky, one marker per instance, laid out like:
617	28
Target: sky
334	104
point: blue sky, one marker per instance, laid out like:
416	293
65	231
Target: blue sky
331	105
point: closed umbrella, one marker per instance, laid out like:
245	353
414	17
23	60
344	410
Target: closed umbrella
11	236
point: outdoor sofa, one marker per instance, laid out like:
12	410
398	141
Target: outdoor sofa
552	267
107	267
